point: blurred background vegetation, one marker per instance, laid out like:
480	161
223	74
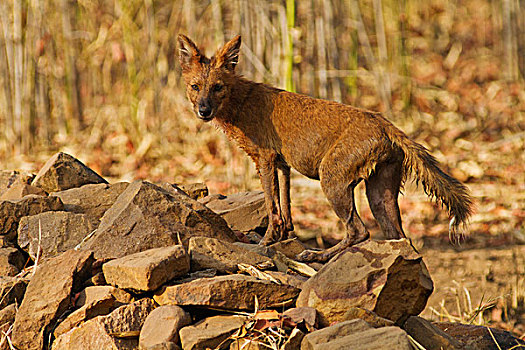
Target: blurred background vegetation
100	79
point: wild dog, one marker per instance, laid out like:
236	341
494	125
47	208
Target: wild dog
338	144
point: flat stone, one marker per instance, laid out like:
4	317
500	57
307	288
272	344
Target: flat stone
93	335
306	315
479	337
162	326
428	335
210	332
145	216
366	315
12	261
62	172
93	294
386	277
91	199
53	232
11	212
290	247
385	338
147	270
96	308
19	190
244	211
12	290
222	256
335	331
118	330
231	292
48	296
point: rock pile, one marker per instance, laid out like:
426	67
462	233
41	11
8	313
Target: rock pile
89	265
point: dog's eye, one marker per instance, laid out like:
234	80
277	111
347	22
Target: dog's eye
195	87
218	87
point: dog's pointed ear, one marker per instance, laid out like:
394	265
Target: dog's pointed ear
188	52
228	55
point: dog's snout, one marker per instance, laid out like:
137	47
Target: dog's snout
204	108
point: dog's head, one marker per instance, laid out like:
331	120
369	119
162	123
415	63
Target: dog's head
208	80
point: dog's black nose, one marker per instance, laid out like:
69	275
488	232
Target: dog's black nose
204	111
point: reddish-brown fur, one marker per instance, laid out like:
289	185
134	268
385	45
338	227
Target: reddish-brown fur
338	144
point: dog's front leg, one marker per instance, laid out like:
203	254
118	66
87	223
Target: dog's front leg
269	180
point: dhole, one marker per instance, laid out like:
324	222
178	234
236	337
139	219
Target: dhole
339	145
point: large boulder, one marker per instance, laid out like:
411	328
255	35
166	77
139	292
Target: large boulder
62	172
52	232
231	292
147	270
48	296
145	216
386	277
11	212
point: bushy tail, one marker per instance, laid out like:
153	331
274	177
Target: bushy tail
436	183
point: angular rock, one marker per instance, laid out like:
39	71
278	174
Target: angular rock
163	346
290	247
7	317
368	316
118	330
196	191
231	292
19	190
92	199
248	344
62	172
222	256
48	296
305	314
12	261
296	281
12	290
12	211
244	211
10	177
162	326
428	335
145	216
96	308
294	341
336	331
386	277
93	335
385	338
210	332
95	293
54	232
147	270
479	337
